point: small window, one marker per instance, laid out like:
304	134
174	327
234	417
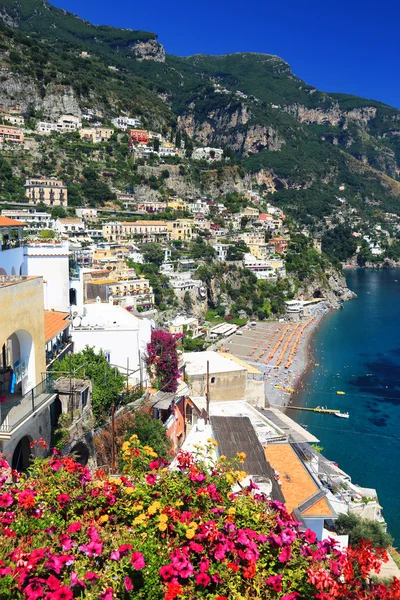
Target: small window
212	379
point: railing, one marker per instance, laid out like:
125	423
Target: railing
12	244
13	414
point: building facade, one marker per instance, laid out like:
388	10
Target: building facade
51	192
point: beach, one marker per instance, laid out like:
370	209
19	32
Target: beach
280	350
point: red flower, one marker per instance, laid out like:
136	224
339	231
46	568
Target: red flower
174	590
137	561
233	567
249	571
310	536
276	582
26	499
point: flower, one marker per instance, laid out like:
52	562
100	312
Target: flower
137	561
63	499
190	533
310	536
6	500
104	519
73	527
107	595
167	572
151	479
285	554
26	499
91	577
276	582
63	593
128	584
202	579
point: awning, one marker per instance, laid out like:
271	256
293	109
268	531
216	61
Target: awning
162	400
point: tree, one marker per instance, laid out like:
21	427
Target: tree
47	234
153	253
156	144
358	529
58	212
108	382
339	243
193	344
187	300
162	360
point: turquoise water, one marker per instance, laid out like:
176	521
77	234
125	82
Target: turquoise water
358	350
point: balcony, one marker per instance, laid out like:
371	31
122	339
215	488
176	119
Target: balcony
59	353
16	410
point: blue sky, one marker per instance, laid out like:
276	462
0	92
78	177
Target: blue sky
343	46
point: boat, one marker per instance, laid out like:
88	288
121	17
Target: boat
340	393
342	415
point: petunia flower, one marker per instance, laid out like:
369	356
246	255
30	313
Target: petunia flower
6	500
128	584
202	579
137	561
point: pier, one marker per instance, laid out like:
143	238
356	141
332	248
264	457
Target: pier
317	409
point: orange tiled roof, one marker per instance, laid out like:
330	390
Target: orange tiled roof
54	322
6	222
297	484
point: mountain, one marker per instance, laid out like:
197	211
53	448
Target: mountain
306	147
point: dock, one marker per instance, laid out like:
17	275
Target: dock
318	409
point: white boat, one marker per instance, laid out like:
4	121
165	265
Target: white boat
342	415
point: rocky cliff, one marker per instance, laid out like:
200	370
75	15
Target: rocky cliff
332	287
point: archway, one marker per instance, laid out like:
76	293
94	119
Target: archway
22	454
55	412
18	352
80	453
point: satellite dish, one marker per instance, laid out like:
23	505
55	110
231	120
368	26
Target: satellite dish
76	322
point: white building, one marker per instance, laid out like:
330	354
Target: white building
35	220
86	213
207	153
122	336
50	260
124	122
69	227
64	124
222	251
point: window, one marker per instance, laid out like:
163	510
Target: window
212	379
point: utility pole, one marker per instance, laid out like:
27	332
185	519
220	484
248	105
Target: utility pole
208	393
113	439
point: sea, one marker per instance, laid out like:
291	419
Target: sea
357	351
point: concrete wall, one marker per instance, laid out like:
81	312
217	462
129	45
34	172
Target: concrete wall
50	262
224	387
36	428
22	311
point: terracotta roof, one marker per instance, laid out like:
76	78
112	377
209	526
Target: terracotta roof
297	484
70	220
54	322
102	281
6	222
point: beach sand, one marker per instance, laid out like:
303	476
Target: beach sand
255	345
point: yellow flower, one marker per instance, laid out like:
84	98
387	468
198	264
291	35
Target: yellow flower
179	503
163	518
125	446
190	533
148	450
104	519
154	507
137	507
116	481
231	510
133	437
162	526
229	477
222	458
139	519
129	490
241	456
212	442
193	525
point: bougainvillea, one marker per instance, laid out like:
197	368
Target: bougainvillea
162	360
159	533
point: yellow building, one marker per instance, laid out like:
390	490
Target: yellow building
261	251
144	231
51	192
181	229
177	204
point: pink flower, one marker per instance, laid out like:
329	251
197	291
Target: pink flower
66	542
151	479
204	565
186	571
195	547
35	589
53	583
93	548
128	584
74	527
285	555
199	477
276	582
202	579
291	596
63	593
107	595
154	464
26	499
167	572
310	536
74	580
63	499
137	561
288	536
55	464
91	577
6	500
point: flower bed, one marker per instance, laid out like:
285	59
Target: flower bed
154	533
